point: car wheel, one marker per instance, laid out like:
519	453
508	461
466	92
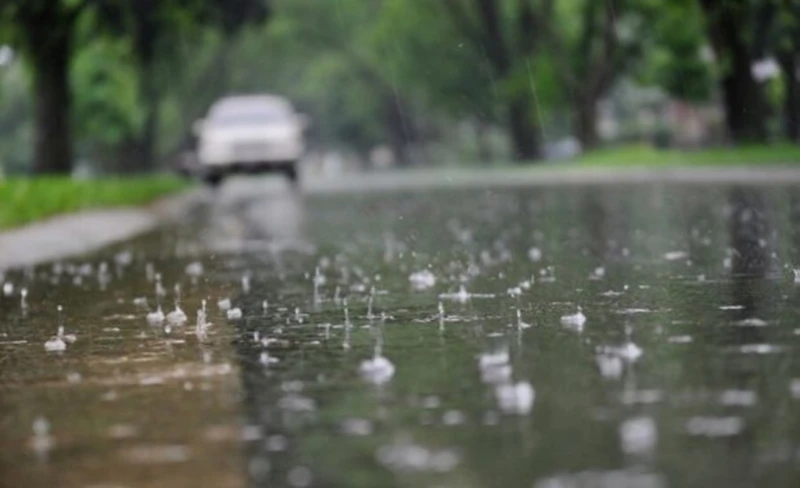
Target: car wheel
214	179
291	173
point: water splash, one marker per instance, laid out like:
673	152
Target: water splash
224	304
42	442
159	288
377	370
638	435
405	456
177	317
370	300
337	295
520	323
347	326
515	398
318	281
463	296
422	280
610	365
535	254
155	318
574	321
194	270
57	342
201	326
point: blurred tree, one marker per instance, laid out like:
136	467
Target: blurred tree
787	51
106	108
676	49
421	50
155	29
42	30
594	43
509	35
15	127
355	95
45	31
736	30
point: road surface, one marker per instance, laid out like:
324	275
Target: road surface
494	333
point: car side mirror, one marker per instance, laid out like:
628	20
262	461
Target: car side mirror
197	127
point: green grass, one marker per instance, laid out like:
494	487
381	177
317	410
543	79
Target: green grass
643	155
24	200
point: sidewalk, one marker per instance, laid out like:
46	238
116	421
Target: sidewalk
74	234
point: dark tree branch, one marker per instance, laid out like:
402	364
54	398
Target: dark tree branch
528	25
764	31
493	33
607	65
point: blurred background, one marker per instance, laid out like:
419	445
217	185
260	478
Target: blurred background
91	87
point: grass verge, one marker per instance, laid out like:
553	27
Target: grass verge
643	155
24	200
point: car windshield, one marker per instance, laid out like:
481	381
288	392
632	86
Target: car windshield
249	117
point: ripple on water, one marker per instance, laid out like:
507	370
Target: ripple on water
122	431
641	397
515	398
629	478
405	456
633	311
300	476
422	280
680	339
738	398
707	426
356	426
638	435
759	349
794	388
610	366
156	454
751	322
714	426
377	370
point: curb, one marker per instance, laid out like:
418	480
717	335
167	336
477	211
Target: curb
778	175
79	233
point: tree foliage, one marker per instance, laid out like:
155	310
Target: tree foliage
126	80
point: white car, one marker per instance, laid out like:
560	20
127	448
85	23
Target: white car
250	134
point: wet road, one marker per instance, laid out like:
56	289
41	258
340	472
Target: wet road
418	338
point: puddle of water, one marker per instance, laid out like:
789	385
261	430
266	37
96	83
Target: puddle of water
432	341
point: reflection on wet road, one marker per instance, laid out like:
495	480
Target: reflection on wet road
580	336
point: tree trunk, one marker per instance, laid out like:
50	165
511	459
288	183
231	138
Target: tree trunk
744	107
400	127
586	123
745	110
524	137
50	56
791	100
482	142
147	32
146	142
